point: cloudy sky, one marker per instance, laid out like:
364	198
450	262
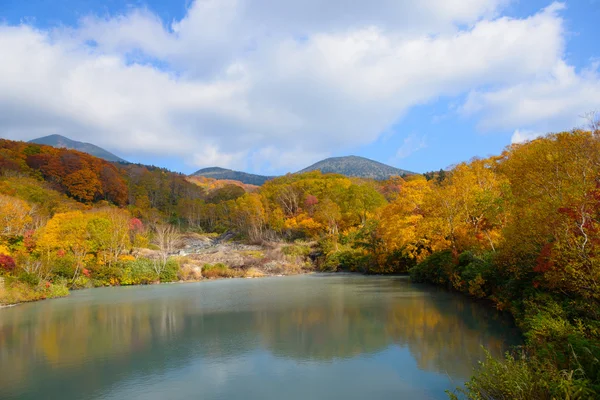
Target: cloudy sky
271	86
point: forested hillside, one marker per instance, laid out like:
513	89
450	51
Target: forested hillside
228	174
355	166
66	143
521	230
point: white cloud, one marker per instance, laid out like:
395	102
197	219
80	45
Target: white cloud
520	136
411	144
273	86
551	103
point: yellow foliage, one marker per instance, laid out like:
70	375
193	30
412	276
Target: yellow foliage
15	216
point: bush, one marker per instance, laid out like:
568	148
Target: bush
296	250
106	275
211	271
437	268
523	378
138	272
15	291
398	262
30	279
170	271
64	266
7	263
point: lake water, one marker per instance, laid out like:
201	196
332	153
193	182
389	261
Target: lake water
304	337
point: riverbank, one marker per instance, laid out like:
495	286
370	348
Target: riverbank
196	258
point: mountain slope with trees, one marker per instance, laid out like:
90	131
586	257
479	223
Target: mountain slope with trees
228	174
356	166
63	142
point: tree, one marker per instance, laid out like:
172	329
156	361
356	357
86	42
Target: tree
400	223
250	216
83	185
66	232
166	237
15	216
109	231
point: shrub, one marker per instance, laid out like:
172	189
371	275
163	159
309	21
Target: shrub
104	275
347	259
15	291
437	268
7	263
219	270
398	262
296	250
64	266
170	271
30	279
138	272
523	378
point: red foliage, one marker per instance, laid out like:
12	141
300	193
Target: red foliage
136	225
311	200
7	263
86	272
29	240
544	260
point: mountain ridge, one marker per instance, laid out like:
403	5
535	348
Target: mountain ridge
229	174
356	166
352	166
89	148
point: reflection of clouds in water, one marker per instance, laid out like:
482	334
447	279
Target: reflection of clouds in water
281	379
247	333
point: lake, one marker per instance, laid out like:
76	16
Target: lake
320	336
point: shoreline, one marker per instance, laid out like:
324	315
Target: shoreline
2	306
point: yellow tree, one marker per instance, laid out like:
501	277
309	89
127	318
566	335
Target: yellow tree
15	216
108	230
546	175
67	232
400	223
250	216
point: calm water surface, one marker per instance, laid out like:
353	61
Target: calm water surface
304	337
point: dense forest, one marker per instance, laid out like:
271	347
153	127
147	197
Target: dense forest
520	230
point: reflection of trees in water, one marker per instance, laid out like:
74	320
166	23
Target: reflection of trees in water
98	345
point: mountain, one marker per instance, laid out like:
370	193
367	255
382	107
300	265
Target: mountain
356	166
222	173
63	142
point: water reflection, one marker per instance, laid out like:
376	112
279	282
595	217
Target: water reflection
100	341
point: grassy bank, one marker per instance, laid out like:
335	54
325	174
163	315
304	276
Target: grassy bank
230	261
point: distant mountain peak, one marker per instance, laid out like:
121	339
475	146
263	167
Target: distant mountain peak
356	166
60	141
228	174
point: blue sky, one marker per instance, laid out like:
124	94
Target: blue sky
273	87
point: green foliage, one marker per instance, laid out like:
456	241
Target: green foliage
31	279
138	272
63	267
16	291
170	271
347	259
218	270
434	269
296	250
106	275
524	377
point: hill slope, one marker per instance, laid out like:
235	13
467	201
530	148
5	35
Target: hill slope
356	166
223	173
63	142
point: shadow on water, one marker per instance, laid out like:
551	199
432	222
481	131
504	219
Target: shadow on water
102	340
